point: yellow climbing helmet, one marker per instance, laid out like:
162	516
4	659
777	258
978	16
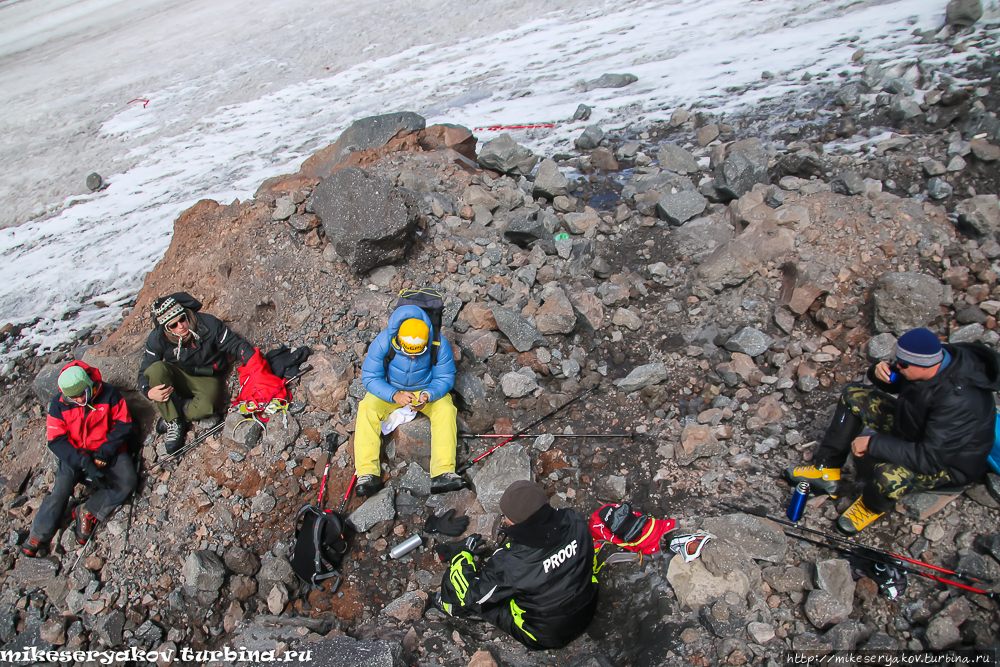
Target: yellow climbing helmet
413	336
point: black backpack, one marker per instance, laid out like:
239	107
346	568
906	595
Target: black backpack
431	302
319	545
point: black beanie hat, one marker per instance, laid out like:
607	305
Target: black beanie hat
521	500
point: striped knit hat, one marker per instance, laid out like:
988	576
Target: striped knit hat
166	309
919	347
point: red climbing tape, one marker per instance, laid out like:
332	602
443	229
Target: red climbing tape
510	127
139	99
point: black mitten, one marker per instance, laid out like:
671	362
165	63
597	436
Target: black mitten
474	544
96	476
446	524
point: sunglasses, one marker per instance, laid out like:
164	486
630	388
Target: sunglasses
178	322
901	365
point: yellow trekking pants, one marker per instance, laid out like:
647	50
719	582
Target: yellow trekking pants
368	434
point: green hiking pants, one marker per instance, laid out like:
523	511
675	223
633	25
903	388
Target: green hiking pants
198	394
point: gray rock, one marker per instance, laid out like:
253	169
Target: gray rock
94	181
749	341
368	220
380	507
521	334
848	95
834	577
582	112
524	231
963	12
681	206
845	635
728	266
642	376
611	81
549	181
899	86
149	634
979	215
507	465
611	488
517	385
544	442
506	156
283	209
848	183
339	651
694	585
904	108
761	539
674	158
109	628
905	301
273	571
53	631
823	609
407	607
376	131
760	633
556	315
46	384
700	234
241	561
942	633
416	480
262	503
33	571
872	75
882	347
738	173
590	138
938	188
785	579
970	333
204	570
470	389
721	556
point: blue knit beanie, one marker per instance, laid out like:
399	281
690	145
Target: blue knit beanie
919	347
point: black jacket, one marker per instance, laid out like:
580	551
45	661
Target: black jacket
947	422
551	583
205	355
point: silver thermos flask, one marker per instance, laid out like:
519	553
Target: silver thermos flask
406	546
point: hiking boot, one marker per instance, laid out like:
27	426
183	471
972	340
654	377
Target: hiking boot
176	430
821	479
856	518
84	523
447	481
368	485
31	546
161	426
440	604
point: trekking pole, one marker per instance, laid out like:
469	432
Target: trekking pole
131	505
849	551
326	472
86	544
188	447
830	536
343	503
524	430
630	436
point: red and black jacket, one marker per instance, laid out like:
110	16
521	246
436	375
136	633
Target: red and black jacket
97	429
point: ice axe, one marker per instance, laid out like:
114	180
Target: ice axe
520	433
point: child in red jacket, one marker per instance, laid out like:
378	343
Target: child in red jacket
87	428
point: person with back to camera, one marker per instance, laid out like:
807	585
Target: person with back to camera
936	432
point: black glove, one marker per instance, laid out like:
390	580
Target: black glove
474	544
446	524
95	475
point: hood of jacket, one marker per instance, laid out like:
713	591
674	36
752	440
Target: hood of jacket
976	364
404	313
93	373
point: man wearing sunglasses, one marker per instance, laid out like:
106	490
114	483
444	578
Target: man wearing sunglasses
398	371
87	428
937	431
183	368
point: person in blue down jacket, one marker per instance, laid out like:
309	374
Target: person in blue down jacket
406	366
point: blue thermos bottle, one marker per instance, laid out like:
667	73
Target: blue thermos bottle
798	504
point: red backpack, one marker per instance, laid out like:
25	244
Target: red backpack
635	531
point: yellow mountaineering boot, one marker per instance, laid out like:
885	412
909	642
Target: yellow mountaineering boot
821	480
856	518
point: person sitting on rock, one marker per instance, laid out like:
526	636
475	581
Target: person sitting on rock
184	363
87	428
539	586
398	371
936	432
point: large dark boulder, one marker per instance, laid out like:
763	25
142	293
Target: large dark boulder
368	220
376	131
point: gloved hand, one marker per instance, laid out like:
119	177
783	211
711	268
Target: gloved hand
474	544
446	524
96	475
